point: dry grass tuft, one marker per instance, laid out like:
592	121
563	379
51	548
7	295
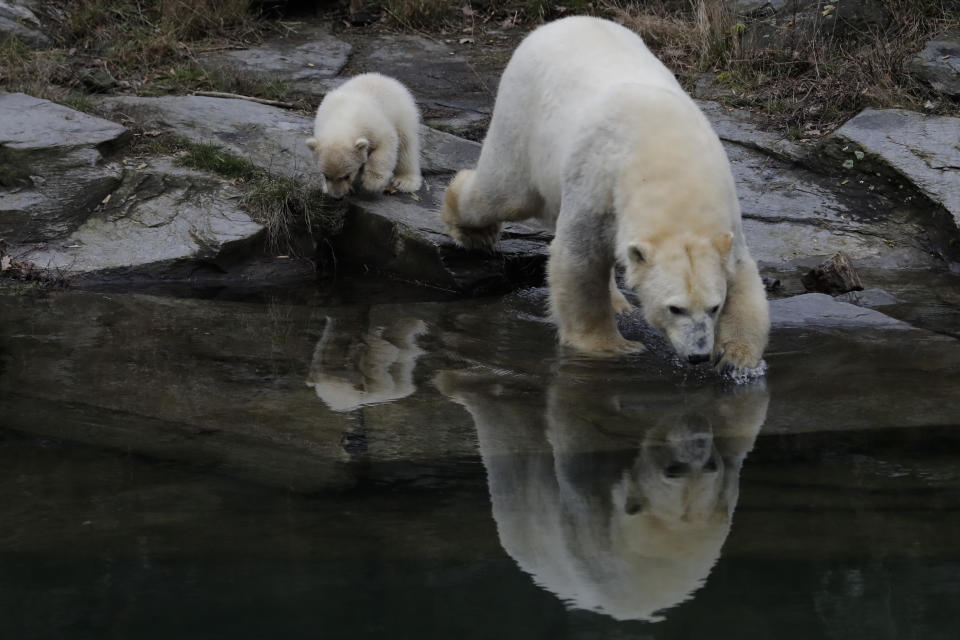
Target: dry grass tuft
817	77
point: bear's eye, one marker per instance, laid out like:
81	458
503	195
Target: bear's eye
712	310
677	311
344	177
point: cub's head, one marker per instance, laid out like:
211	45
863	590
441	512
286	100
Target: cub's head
682	284
340	162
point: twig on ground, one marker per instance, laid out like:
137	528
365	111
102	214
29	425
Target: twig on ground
237	96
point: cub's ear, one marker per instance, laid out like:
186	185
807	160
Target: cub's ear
723	242
639	253
313	143
362	144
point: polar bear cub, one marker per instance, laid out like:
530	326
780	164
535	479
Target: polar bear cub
591	133
368	126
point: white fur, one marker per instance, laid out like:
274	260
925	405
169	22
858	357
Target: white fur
371	122
590	132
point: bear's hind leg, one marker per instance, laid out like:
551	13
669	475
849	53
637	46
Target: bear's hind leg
581	301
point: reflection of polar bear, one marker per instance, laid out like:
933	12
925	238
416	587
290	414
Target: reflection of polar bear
371	123
592	133
354	369
615	502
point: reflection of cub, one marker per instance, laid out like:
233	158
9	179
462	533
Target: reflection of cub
619	503
371	123
353	369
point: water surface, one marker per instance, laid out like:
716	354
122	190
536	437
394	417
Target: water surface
427	468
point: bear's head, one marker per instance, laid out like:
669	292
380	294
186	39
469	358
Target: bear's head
681	281
340	162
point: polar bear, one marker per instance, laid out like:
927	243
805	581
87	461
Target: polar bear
615	497
369	125
592	134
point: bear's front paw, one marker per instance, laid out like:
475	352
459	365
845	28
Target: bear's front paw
476	237
738	358
375	182
408	183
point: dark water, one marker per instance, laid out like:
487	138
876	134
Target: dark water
175	468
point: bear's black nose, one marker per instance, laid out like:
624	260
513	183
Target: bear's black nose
697	358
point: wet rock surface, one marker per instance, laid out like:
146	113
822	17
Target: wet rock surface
52	167
161	222
921	149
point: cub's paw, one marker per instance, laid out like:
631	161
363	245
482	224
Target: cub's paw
375	182
476	237
408	183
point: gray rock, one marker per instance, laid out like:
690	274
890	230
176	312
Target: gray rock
750	7
98	80
868	298
406	237
794	217
307	60
270	137
18	21
922	149
162	222
736	125
938	63
397	234
52	169
820	310
450	92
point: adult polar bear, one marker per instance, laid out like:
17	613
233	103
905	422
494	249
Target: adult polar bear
592	133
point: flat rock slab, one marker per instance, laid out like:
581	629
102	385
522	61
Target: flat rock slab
52	167
163	221
738	126
821	310
793	217
270	137
307	59
398	234
923	149
938	63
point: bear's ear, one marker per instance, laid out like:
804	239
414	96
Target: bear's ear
639	253
313	143
723	242
362	145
